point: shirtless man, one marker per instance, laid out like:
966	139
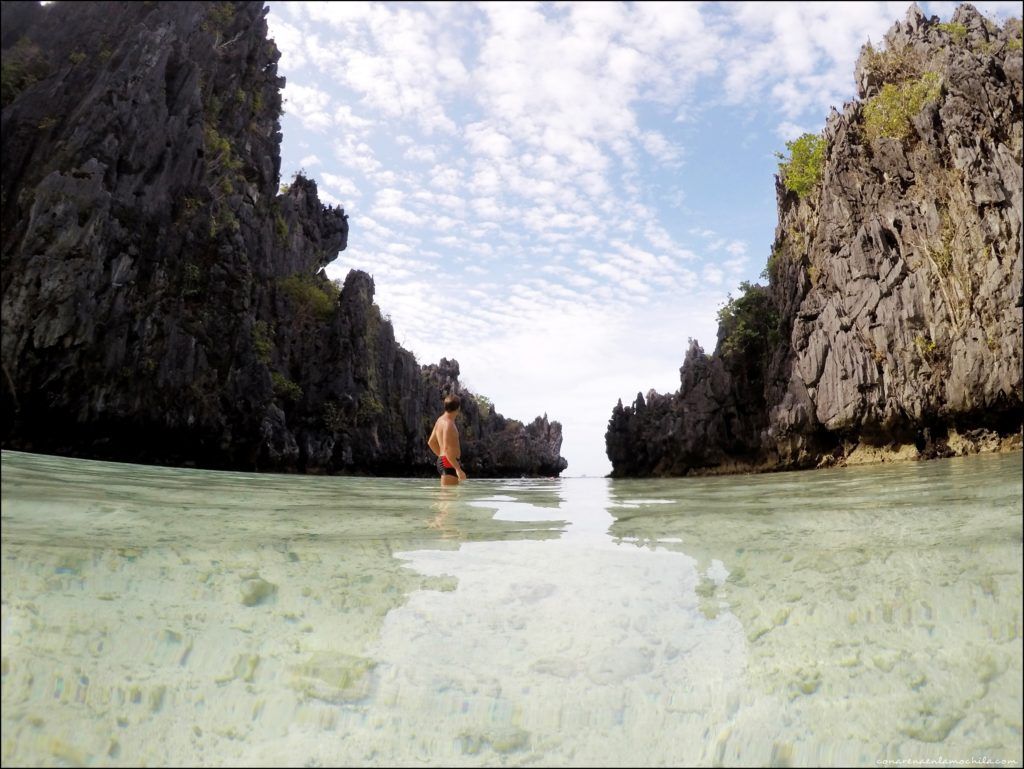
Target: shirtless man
444	441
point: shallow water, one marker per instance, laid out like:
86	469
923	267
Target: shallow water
853	616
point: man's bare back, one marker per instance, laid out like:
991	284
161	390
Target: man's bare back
444	442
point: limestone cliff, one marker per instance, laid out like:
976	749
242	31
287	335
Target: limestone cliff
164	298
891	325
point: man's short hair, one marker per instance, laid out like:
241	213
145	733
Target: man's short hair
452	403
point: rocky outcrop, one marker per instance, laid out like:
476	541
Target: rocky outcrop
164	298
891	325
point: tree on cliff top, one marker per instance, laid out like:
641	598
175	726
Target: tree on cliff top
749	324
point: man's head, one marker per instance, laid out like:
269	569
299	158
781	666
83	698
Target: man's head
452	404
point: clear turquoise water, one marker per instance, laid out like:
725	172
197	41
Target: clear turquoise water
853	616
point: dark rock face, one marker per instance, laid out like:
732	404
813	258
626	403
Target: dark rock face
163	300
895	287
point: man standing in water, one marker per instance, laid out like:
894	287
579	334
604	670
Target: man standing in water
444	441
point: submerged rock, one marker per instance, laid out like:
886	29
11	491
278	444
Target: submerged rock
891	325
164	297
334	677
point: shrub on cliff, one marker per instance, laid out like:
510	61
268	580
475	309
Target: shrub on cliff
801	172
310	297
262	340
956	31
748	324
892	65
889	112
1015	29
23	64
284	387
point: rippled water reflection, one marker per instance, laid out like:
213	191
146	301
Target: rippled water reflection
163	616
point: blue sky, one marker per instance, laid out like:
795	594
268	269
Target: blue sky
560	195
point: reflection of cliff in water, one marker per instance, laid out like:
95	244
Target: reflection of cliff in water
866	611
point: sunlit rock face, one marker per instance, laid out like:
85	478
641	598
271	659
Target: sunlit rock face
891	325
164	298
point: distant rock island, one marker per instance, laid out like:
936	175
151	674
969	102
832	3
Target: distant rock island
164	299
891	323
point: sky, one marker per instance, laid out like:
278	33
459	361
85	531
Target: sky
561	195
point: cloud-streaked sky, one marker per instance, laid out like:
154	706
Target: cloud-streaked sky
559	195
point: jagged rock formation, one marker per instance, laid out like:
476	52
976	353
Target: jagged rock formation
891	325
163	300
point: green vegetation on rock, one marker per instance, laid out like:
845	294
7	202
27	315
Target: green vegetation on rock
801	171
1015	30
223	221
895	65
332	415
958	32
315	299
284	387
943	254
926	348
219	17
370	407
771	267
262	340
193	279
23	65
749	323
225	167
280	227
888	113
218	150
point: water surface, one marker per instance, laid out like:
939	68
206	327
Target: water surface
853	616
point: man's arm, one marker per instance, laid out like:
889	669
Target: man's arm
434	443
452	449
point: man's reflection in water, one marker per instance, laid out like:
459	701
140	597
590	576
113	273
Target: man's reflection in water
441	521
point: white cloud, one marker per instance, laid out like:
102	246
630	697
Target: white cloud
345	118
388	205
446	178
440	200
421	154
357	155
660	148
713	275
309	104
340	15
487	208
484	139
736	248
397	57
788	131
340	185
328	199
389	197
